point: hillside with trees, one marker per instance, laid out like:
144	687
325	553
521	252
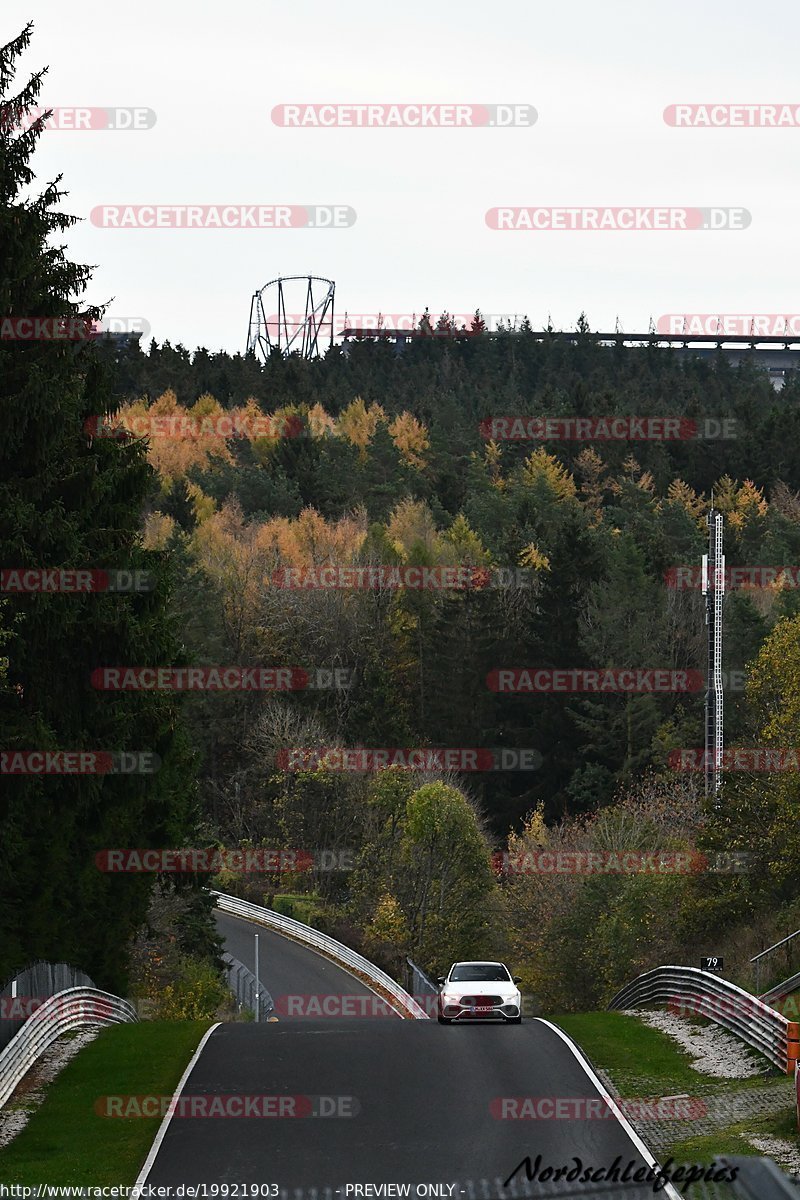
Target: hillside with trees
224	479
388	465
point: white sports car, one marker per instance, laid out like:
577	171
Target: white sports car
479	991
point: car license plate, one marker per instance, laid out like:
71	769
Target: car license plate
481	1008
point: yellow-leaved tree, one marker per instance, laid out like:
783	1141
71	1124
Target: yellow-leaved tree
541	467
320	423
411	438
358	424
178	438
411	524
695	505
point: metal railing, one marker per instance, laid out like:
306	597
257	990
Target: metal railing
419	982
404	1004
782	989
423	988
67	1010
756	959
689	990
29	987
244	986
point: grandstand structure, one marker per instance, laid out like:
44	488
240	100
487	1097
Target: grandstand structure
776	354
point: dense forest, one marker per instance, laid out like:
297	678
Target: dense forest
375	459
388	463
222	478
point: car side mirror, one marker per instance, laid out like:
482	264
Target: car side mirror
440	980
516	979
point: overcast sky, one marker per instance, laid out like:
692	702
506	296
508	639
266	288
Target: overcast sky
598	75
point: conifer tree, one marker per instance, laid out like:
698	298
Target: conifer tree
70	500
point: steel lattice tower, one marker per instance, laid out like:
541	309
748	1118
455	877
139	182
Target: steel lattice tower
297	330
714	592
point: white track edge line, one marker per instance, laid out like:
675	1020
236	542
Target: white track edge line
646	1154
162	1129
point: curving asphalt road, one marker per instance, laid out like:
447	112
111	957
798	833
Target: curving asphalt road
415	1103
298	980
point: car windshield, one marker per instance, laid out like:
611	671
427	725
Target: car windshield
479	973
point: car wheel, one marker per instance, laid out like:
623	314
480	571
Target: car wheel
444	1020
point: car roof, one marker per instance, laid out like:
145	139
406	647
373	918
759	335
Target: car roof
478	962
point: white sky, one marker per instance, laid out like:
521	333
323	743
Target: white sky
599	75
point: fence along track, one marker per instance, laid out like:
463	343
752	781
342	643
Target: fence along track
70	1009
404	1004
703	994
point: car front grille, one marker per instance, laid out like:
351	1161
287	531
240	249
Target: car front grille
482	1001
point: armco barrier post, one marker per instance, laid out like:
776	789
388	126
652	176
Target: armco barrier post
792	1047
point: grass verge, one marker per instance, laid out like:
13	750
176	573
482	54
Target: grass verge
644	1062
67	1142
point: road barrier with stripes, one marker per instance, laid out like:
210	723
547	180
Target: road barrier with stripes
35	982
71	1009
245	987
704	994
404	1004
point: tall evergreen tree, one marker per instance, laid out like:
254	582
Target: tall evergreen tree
70	501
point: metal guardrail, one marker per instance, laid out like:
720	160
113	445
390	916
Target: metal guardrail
60	1013
701	993
32	985
420	982
770	950
405	1006
784	988
244	985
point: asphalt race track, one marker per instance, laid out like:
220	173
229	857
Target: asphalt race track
410	1100
285	967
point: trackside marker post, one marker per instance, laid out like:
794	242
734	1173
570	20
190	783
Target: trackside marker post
257	983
